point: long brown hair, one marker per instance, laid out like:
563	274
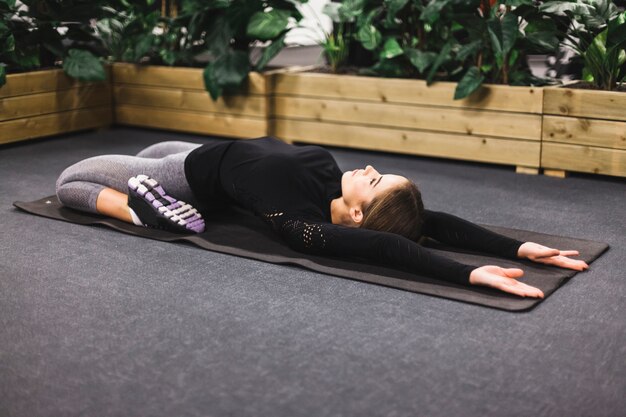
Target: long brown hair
399	211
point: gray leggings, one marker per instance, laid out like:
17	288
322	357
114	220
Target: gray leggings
79	185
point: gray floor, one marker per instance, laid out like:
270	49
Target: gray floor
97	323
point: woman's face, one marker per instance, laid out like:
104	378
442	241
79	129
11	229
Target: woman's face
359	187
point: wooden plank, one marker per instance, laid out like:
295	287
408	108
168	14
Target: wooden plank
394	90
609	105
93	95
187	121
177	77
584	159
583	131
526	170
190	100
557	173
55	123
40	82
466	121
446	145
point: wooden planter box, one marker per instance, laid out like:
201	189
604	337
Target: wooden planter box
499	124
585	131
47	102
175	98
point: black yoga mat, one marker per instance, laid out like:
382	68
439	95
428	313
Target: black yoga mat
242	234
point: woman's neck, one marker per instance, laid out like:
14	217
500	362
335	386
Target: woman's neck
340	213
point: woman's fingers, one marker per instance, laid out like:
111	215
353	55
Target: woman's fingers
503	279
565	262
546	252
513	272
569	253
521	289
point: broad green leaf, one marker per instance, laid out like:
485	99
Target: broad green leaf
443	56
469	50
218	36
391	49
510	31
566	7
503	35
210	82
420	60
389	68
617	31
517	3
26	57
545	41
169	57
332	10
83	65
350	10
3	74
270	52
9	44
393	7
431	13
226	72
513	55
542	34
266	26
369	36
7	5
469	83
143	47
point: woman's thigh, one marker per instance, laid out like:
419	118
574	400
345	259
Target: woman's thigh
162	149
114	171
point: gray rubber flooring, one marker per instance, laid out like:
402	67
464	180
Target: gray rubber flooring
98	323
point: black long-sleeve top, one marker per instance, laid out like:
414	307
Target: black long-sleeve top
291	189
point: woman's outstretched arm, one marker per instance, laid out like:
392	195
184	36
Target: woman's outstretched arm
395	251
454	231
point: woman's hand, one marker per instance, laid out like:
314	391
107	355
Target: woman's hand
545	255
503	279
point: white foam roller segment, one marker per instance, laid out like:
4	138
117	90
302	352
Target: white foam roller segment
188	214
182	209
142	190
133	183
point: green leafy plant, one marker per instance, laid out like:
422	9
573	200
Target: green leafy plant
218	34
44	33
336	43
230	29
408	38
496	41
470	41
597	34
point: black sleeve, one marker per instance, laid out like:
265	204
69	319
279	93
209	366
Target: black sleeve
385	248
455	231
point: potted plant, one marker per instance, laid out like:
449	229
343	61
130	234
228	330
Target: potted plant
38	98
175	56
585	121
403	103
